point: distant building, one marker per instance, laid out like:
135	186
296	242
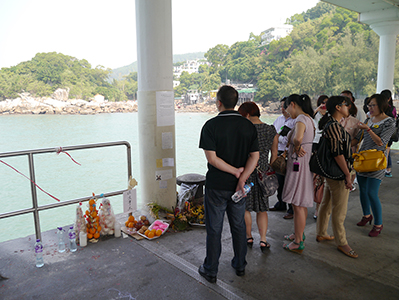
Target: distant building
190	66
275	33
245	95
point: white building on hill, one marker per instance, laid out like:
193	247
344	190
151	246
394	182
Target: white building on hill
190	66
275	33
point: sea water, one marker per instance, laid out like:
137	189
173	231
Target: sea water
102	170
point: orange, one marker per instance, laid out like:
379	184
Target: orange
131	219
146	232
135	222
87	212
91	202
97	219
99	228
94	214
127	223
158	232
130	225
150	235
89	236
153	230
96	235
92	231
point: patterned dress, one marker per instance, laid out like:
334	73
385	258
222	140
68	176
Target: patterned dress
298	186
255	200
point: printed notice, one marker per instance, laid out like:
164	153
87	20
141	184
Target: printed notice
163	184
165	108
163	175
130	200
167	140
168	162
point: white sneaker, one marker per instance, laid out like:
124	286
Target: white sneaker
353	188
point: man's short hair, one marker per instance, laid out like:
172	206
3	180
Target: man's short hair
348	92
228	96
387	94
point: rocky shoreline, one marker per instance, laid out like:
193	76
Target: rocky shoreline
30	105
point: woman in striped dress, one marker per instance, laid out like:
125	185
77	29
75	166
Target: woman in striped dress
376	131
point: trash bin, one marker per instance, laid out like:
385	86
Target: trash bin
191	179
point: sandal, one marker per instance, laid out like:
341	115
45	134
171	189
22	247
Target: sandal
291	239
264	246
350	253
297	250
250	244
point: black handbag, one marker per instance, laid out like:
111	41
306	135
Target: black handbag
323	163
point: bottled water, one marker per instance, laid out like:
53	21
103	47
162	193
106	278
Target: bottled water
61	243
72	239
239	194
39	253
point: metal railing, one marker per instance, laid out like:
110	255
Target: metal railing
35	208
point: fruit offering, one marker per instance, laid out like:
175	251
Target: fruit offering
136	225
80	223
107	217
93	220
156	229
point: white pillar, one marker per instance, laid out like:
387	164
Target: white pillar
155	75
386	57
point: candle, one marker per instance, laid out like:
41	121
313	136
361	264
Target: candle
82	239
117	229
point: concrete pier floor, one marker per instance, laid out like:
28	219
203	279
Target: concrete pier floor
166	268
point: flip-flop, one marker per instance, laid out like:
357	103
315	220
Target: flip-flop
266	245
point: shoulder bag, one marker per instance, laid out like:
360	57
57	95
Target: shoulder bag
369	160
267	180
323	163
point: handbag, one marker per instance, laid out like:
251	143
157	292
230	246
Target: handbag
369	160
280	164
267	180
323	163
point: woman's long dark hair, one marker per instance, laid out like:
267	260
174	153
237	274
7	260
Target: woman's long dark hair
303	101
331	107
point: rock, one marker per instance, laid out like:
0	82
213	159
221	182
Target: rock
61	94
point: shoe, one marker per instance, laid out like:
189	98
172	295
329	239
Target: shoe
388	174
315	217
288	216
277	209
297	250
250	244
351	253
238	272
353	188
209	278
364	220
288	237
375	231
320	238
264	246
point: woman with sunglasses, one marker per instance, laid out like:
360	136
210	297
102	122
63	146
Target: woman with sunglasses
336	192
376	132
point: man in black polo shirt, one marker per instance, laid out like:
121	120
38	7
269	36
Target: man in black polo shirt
231	148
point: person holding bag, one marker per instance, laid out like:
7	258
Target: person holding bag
336	192
298	186
256	200
376	132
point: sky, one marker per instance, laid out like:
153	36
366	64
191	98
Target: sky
104	32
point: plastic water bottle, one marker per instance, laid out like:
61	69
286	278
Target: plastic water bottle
239	194
61	243
39	253
72	240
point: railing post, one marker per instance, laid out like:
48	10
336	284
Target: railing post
34	197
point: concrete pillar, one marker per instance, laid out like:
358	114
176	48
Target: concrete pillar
386	57
156	102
